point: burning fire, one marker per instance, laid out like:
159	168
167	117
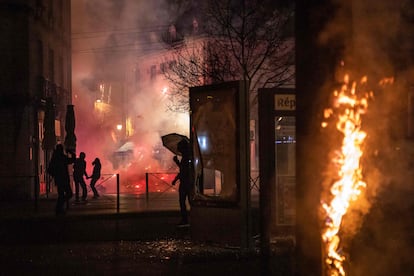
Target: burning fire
347	108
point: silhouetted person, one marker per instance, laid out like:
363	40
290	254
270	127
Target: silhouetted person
79	170
184	176
58	169
96	174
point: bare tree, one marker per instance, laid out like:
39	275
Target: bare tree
239	40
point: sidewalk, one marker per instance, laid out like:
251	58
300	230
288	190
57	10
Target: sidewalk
95	239
106	204
96	219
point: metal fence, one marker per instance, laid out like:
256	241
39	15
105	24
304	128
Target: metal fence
117	193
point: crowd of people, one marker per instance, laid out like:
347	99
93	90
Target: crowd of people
58	169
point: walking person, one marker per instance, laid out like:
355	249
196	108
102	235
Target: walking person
96	174
184	176
79	170
58	169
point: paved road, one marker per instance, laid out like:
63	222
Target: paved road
158	257
142	239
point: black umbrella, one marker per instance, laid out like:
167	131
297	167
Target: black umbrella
170	141
70	139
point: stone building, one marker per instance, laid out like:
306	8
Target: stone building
35	67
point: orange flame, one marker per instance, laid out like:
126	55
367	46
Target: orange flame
348	108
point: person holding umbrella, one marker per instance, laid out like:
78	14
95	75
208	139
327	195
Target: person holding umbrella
184	176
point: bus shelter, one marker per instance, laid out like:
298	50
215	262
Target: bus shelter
277	159
219	123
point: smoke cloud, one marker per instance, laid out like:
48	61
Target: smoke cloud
109	38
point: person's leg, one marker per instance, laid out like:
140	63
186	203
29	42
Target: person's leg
84	190
76	190
183	207
60	200
68	190
93	182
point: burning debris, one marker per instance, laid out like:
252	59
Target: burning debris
348	106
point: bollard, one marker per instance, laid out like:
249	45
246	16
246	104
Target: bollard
117	192
36	193
146	188
410	113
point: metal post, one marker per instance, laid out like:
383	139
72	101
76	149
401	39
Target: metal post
35	145
47	174
146	188
267	175
36	192
117	192
410	113
244	173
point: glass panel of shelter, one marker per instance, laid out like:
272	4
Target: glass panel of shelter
214	139
285	160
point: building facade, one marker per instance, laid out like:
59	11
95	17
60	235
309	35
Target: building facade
164	71
35	67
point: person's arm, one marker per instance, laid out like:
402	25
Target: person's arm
72	158
93	173
175	158
176	179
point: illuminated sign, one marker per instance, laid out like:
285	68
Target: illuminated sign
286	102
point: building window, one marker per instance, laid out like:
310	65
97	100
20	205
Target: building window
172	64
40	8
51	65
51	16
60	13
153	72
40	57
163	67
61	70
